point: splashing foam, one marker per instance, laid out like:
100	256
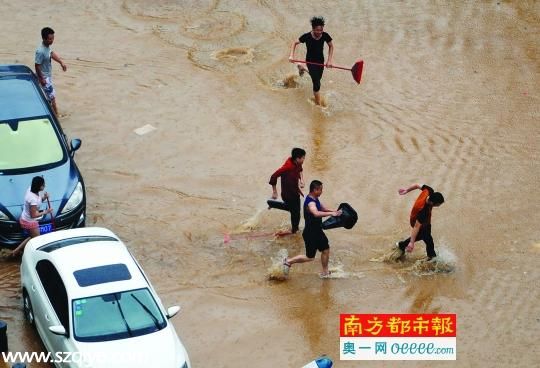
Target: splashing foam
277	270
444	262
290	81
252	222
391	256
235	55
337	272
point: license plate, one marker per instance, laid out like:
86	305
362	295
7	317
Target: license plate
44	229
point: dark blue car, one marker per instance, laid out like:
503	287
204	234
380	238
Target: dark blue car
32	143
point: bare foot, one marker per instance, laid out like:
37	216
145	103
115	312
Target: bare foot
286	267
286	263
14	255
325	275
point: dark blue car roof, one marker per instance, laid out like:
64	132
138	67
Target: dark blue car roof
15	68
19	95
102	274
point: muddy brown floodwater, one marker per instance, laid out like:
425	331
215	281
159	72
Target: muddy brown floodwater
450	97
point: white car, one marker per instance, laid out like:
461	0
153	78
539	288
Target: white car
93	305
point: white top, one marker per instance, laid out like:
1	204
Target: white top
30	199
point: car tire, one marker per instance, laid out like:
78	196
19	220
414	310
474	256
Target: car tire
27	308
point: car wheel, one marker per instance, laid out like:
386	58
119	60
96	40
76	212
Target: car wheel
27	308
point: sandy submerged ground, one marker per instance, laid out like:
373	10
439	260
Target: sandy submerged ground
449	98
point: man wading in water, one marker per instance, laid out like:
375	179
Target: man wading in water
420	219
314	41
313	234
291	177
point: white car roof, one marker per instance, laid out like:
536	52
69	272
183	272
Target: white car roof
93	252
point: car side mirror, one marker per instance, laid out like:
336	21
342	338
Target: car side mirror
58	330
75	145
172	311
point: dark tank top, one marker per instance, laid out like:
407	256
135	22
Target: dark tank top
312	222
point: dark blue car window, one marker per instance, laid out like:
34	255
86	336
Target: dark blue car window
55	289
19	98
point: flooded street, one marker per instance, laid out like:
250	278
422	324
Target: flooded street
449	97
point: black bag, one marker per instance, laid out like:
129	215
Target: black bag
347	219
274	203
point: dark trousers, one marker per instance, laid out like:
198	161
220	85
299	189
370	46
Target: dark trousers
315	72
425	235
293	206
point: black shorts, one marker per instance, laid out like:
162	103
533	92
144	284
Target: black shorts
315	241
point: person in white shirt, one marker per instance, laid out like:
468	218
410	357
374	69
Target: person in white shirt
31	212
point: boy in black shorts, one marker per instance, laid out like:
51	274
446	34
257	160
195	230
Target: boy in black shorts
313	234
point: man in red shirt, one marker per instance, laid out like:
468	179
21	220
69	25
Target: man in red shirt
291	177
420	219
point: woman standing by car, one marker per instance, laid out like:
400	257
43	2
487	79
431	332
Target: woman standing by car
31	213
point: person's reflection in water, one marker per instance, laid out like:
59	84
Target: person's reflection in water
315	307
423	299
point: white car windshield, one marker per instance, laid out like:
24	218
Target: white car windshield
28	143
116	316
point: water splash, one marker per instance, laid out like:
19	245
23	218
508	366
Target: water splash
390	256
445	262
278	271
289	81
252	222
235	55
337	271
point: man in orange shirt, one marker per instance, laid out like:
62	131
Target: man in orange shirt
421	219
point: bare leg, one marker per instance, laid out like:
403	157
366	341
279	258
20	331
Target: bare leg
325	257
317	97
53	105
15	252
299	259
20	248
